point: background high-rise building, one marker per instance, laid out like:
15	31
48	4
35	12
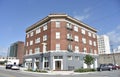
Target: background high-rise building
17	50
103	44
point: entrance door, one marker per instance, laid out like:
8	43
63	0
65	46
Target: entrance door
57	65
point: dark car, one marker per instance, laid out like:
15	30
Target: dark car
8	66
104	67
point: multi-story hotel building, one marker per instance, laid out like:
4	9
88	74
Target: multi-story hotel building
59	42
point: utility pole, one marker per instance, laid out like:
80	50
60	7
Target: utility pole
114	61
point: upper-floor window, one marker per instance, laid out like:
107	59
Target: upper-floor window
44	37
37	40
31	42
83	31
38	30
69	26
26	52
57	24
94	36
89	34
28	35
37	50
57	35
90	42
76	28
76	49
76	38
57	46
26	43
94	43
45	27
31	34
84	40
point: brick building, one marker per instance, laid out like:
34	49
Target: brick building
59	42
17	50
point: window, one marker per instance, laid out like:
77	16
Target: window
77	57
90	42
57	35
45	27
76	28
69	47
44	37
28	35
69	26
84	50
27	44
38	30
57	46
76	38
26	52
37	50
69	36
46	63
89	34
94	43
84	40
95	52
31	42
82	31
30	52
31	34
93	35
69	57
58	57
57	24
91	51
37	40
76	49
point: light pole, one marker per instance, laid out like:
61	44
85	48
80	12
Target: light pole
114	61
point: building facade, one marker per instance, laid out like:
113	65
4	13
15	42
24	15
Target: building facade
17	50
59	42
113	58
10	60
103	44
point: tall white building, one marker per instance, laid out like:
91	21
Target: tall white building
103	44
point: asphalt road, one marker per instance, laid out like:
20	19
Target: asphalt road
18	73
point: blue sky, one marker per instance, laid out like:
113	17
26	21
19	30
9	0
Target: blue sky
17	15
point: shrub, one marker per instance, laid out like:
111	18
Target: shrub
37	70
84	70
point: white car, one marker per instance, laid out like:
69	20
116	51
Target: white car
15	67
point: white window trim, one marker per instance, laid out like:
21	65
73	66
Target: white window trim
57	35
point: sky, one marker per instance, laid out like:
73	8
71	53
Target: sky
17	15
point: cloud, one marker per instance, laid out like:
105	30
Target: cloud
114	36
3	51
82	17
85	14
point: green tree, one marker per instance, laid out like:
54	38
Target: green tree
89	60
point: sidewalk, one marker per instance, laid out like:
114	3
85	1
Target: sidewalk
58	72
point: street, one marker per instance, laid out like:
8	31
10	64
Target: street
18	73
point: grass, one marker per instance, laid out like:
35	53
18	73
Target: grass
85	70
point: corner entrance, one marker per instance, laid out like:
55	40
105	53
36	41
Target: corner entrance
57	65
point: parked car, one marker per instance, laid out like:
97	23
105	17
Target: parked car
8	66
104	67
112	66
15	67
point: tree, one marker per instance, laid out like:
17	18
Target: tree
89	60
